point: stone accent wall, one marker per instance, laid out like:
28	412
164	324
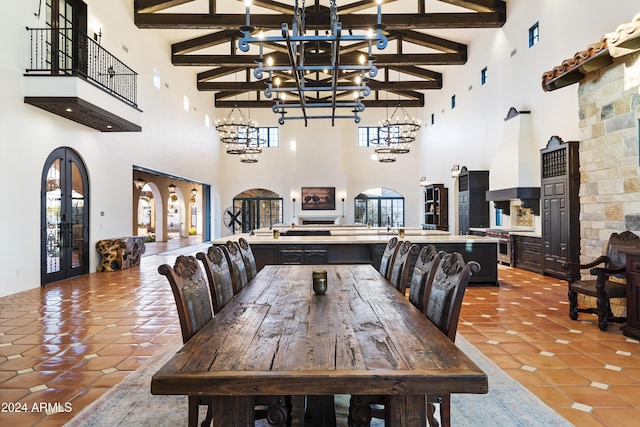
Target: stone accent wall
609	103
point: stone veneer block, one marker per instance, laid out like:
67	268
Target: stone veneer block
632	222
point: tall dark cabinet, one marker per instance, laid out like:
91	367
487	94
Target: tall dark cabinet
560	205
436	207
473	207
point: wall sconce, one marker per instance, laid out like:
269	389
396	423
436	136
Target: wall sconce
423	181
343	207
294	206
455	171
172	188
194	192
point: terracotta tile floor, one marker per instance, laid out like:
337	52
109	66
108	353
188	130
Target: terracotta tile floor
63	346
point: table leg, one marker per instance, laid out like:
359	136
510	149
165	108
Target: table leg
406	410
233	411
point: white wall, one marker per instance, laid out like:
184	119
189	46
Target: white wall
173	140
470	134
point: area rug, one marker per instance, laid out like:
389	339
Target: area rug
507	404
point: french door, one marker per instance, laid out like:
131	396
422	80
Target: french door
64	217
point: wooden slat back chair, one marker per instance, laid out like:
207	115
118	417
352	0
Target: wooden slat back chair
602	287
193	302
248	257
236	264
442	307
443	301
388	256
423	272
219	274
399	273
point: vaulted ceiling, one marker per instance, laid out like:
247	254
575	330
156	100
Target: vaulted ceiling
419	40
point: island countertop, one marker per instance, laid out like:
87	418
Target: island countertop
258	239
363	245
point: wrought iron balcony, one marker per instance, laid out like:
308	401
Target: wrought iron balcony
69	51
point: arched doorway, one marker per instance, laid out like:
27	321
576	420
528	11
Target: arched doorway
380	207
64	242
256	208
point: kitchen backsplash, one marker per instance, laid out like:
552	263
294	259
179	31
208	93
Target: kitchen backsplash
522	217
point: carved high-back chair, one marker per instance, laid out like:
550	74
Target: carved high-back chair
236	264
219	274
610	273
442	307
193	302
423	273
443	301
248	257
399	273
194	306
387	257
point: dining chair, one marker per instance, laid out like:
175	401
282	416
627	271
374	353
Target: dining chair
609	273
399	272
443	302
219	274
387	257
193	303
236	264
248	257
423	272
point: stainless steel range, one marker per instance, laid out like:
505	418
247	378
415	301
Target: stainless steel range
505	255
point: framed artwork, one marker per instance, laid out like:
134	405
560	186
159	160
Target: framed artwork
318	198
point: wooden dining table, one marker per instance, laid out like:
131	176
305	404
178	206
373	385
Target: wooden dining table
277	337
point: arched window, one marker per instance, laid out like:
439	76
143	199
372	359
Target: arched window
380	207
256	208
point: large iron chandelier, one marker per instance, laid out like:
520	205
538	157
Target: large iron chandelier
241	136
337	86
395	135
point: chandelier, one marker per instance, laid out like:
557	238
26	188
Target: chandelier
241	136
395	135
346	84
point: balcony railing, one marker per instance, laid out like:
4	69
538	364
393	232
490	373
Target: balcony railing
70	52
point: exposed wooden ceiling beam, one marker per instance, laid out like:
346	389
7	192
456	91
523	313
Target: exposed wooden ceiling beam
374	103
261	85
432	42
148	6
203	42
480	5
393	22
319	59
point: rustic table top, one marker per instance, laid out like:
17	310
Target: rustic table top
277	337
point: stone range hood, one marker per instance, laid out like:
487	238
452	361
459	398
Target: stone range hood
515	170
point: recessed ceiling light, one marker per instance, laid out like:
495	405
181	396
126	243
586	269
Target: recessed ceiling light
109	126
69	110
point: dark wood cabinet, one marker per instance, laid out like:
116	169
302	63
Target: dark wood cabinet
436	207
560	205
303	254
632	328
527	253
473	207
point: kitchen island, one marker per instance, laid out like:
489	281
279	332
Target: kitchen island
362	245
